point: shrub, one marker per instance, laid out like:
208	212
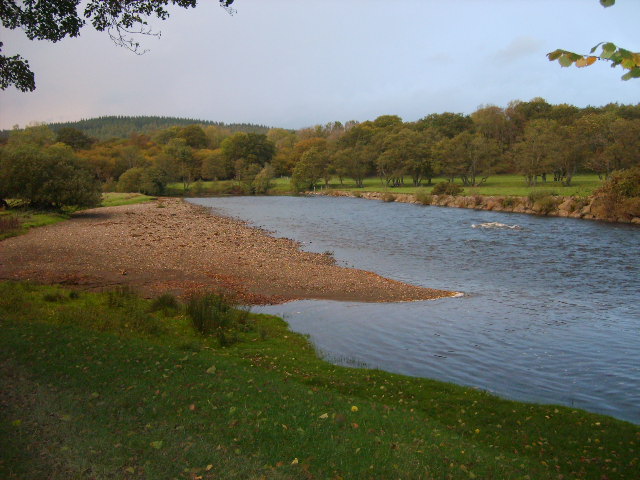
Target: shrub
509	202
619	196
54	297
214	315
423	197
447	188
536	195
388	197
47	177
166	303
9	224
545	205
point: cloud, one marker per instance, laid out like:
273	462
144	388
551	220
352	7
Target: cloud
519	48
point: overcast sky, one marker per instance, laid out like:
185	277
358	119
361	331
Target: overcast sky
297	63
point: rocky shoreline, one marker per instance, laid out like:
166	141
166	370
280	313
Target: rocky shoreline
556	206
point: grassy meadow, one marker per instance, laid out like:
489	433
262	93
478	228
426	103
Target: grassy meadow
114	386
582	185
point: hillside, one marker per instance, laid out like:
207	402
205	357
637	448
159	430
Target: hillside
104	128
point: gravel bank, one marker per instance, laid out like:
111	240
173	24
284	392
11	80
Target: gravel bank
171	245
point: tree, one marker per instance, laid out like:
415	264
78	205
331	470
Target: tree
74	138
610	52
534	152
214	164
446	124
47	176
194	136
187	165
262	182
354	162
252	147
54	20
406	152
310	169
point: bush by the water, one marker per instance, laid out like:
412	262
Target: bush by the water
388	197
537	195
45	175
447	188
423	197
619	196
213	314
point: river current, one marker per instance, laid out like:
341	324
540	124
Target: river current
550	312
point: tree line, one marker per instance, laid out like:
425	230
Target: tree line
535	139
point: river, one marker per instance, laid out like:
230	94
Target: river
550	312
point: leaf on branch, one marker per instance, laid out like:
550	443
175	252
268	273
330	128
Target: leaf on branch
608	49
564	60
633	73
586	61
607	3
555	54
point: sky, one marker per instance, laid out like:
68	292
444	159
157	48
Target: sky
299	63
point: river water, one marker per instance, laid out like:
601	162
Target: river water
551	311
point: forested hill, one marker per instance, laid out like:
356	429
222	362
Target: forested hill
104	128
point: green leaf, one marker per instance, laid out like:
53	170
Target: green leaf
607	3
555	54
608	49
565	60
633	73
157	445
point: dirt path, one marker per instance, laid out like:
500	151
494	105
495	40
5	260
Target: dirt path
171	245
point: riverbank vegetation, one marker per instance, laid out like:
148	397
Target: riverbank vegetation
113	386
533	143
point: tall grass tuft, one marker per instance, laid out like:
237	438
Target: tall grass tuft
9	224
213	314
167	304
129	313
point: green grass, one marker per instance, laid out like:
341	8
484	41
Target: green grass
582	185
89	394
28	219
500	185
113	199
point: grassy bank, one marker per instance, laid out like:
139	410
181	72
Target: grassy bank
19	220
113	386
113	199
582	185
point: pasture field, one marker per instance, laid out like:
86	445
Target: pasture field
114	386
582	185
